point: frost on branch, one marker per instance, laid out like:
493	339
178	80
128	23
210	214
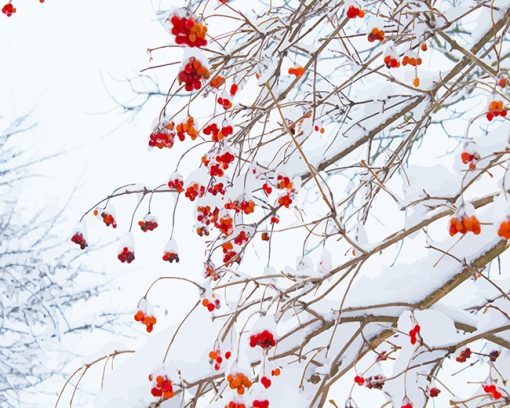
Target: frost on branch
344	175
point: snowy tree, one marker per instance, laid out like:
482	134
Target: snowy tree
41	279
338	188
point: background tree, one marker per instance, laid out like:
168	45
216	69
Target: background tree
41	280
318	131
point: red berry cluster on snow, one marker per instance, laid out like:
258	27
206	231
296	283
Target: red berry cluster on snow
413	334
216	359
464	355
192	74
79	239
162	387
211	304
493	391
496	108
126	255
218	134
464	224
176	183
149	223
353	12
147	320
107	217
188	31
265	339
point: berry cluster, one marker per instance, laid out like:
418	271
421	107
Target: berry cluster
408	60
407	405
285	183
229	254
192	74
188	31
79	239
211	305
376	35
496	108
391	61
149	223
413	334
194	190
464	224
265	339
225	102
470	158
8	9
260	404
233	404
434	392
245	206
217	81
493	391
210	272
503	230
239	382
216	359
464	355
107	216
162	387
353	12
205	218
169	256
297	71
126	255
148	320
176	182
266	382
217	134
186	128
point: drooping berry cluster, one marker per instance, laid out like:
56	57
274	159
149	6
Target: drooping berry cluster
239	382
175	182
376	35
218	134
297	71
496	108
192	74
464	355
216	359
188	31
353	12
107	215
463	224
413	334
162	387
149	223
79	239
126	255
265	339
148	320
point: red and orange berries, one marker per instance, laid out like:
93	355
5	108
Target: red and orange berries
413	61
79	239
194	190
218	134
376	35
149	223
391	61
297	71
146	319
8	9
176	182
265	339
171	253
470	158
162	387
239	382
496	108
188	31
463	224
504	229
353	12
107	216
192	74
216	359
211	304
